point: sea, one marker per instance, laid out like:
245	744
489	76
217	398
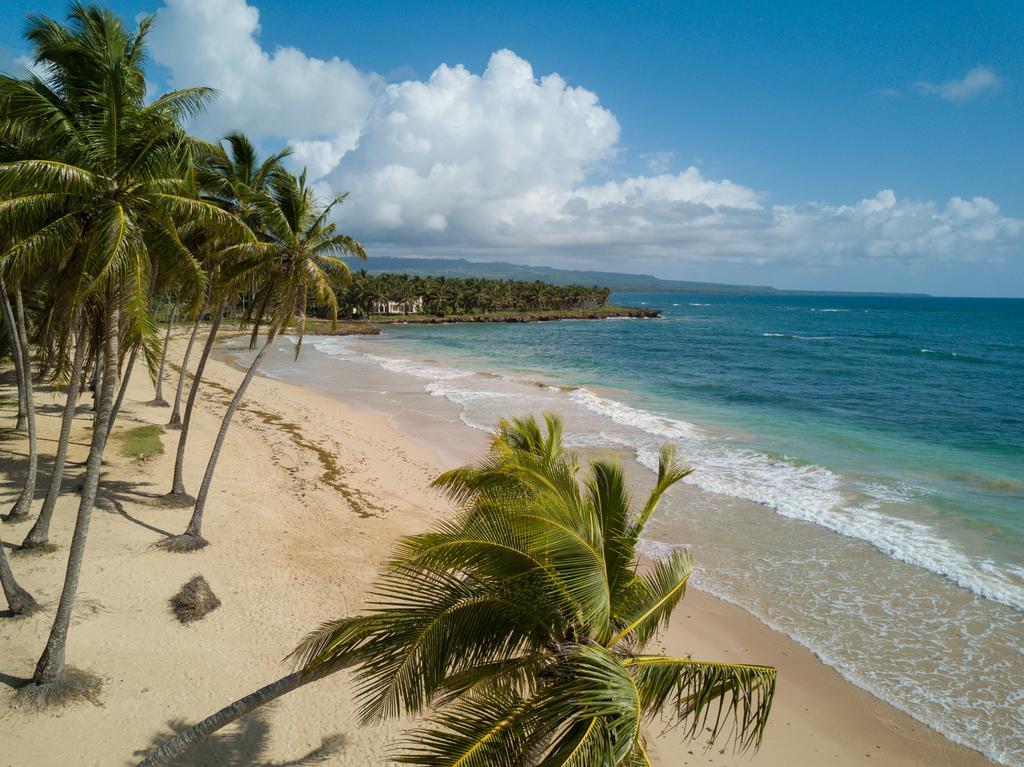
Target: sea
858	463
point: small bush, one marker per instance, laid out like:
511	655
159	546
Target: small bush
194	601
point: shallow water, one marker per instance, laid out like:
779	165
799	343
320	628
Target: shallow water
859	477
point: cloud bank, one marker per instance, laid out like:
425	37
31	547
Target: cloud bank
505	163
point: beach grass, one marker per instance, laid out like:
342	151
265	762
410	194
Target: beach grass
142	442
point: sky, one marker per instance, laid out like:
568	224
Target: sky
819	145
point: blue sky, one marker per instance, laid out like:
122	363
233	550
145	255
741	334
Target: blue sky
802	104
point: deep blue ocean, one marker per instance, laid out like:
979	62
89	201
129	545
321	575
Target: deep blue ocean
858	464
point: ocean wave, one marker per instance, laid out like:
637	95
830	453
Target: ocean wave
806	492
798	338
830	310
419	369
694	304
629	416
812	494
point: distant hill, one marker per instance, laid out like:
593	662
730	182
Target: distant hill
616	281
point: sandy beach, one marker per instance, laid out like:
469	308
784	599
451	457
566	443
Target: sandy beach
309	495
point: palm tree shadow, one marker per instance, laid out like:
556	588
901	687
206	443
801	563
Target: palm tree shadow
240	745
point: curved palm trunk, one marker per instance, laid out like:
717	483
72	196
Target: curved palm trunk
175	422
158	395
39	535
23	505
178	494
19	601
193	536
121	392
12	336
182	742
50	667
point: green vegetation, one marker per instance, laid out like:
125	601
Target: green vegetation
142	442
447	296
522	624
521	627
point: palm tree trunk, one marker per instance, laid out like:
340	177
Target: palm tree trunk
97	376
175	422
182	742
12	336
23	505
39	535
50	667
178	494
19	601
124	387
193	539
158	396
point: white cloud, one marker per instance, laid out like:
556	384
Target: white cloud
508	164
283	94
977	82
659	162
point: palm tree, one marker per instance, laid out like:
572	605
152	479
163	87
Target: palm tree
522	623
158	391
19	601
10	328
302	256
22	506
230	177
38	536
112	191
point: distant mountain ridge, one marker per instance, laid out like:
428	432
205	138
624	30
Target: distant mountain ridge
616	281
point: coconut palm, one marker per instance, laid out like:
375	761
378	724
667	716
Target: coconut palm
110	192
230	177
23	504
522	625
158	389
11	330
19	601
301	258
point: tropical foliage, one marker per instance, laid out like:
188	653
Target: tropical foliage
521	625
446	296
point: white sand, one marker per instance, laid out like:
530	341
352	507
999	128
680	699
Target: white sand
294	543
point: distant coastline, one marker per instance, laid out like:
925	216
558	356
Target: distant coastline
619	282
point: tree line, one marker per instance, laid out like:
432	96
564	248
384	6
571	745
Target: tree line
367	294
520	627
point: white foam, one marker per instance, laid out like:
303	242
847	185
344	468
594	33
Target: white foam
625	415
812	493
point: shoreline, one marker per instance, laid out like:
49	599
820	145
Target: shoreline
368	327
309	496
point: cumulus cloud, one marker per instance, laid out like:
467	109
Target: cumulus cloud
505	163
283	94
977	82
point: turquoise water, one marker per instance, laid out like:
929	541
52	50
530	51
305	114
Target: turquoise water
915	399
859	464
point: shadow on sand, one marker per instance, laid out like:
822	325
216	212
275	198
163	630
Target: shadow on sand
242	744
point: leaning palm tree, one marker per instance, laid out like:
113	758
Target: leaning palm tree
230	177
522	626
19	601
301	257
23	504
112	187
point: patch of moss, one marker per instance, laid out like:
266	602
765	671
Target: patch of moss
142	442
